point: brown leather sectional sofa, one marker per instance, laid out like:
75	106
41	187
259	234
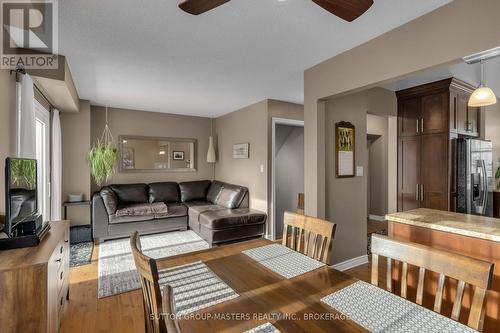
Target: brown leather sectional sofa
216	211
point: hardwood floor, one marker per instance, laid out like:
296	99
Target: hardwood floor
124	313
87	313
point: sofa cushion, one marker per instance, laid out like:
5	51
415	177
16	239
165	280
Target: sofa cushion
214	190
167	192
228	218
113	219
176	210
110	200
157	209
197	203
231	196
195	211
130	193
197	190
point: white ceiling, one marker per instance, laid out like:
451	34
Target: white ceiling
149	55
462	71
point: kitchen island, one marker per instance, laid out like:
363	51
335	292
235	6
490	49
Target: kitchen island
470	235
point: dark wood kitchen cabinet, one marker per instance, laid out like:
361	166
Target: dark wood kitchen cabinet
464	120
428	117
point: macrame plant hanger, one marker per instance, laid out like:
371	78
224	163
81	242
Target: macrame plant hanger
107	136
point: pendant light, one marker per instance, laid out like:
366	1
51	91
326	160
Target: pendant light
482	96
211	158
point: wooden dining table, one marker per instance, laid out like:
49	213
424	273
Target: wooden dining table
291	305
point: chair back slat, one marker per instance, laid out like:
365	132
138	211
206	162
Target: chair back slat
308	235
389	274
464	269
374	277
404	280
439	293
155	319
420	285
457	303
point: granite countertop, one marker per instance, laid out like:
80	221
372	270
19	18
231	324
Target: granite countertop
462	224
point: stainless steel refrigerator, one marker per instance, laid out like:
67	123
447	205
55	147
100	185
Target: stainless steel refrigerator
474	176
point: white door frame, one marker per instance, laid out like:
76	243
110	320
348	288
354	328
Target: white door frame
277	121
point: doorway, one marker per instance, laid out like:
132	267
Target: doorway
287	170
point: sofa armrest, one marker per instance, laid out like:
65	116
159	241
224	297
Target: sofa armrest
100	217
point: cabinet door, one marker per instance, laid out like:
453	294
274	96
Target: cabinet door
462	101
408	173
453	111
408	117
435	112
434	171
472	121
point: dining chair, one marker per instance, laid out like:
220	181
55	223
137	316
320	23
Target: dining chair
158	309
465	270
308	235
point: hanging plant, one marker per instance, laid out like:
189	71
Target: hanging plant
103	156
497	178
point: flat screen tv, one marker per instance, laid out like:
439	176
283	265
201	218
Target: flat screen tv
21	192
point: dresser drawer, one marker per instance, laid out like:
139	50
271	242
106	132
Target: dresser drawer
62	276
62	302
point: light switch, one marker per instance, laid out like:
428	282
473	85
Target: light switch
359	171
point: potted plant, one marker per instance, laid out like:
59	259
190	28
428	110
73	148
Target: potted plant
103	156
102	159
497	178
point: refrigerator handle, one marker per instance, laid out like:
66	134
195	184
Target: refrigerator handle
485	186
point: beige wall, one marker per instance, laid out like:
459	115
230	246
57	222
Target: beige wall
7	123
251	124
434	39
75	130
140	123
246	125
345	198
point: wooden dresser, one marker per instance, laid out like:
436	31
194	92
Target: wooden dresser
34	283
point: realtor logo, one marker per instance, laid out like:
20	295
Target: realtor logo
29	34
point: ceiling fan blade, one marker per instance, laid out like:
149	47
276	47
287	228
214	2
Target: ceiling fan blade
197	7
348	10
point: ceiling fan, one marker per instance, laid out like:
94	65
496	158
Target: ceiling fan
348	10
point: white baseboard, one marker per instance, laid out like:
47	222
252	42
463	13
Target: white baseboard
376	218
351	263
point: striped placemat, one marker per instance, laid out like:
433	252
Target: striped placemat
378	310
283	260
195	287
264	328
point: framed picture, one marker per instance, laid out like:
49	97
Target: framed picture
241	151
178	155
128	159
345	149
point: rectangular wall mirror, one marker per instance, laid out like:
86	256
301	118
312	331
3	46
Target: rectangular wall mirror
154	154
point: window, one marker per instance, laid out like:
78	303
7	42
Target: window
42	125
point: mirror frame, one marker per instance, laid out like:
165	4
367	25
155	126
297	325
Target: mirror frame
158	138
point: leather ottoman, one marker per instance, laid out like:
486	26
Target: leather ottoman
227	225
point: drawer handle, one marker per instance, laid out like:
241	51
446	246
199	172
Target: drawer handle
61	249
59	260
61	302
66	241
61	275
